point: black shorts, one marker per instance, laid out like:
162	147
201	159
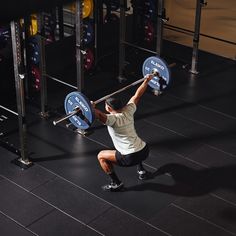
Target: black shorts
132	158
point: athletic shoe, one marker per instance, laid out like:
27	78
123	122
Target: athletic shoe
113	187
142	174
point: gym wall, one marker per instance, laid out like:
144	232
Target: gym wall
218	20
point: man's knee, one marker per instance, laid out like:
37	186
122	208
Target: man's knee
100	156
106	156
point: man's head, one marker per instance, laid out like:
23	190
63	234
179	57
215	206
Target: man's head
113	104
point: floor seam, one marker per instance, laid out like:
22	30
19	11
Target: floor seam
41	217
53	206
199	217
204	107
103	200
160	126
18	223
45	182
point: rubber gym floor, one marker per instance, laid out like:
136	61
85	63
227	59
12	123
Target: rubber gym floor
191	133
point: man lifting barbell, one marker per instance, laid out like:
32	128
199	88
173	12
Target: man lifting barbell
130	149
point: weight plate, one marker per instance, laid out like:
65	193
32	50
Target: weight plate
148	32
150	9
33	25
87	8
161	66
5	34
34	51
115	5
88	59
78	100
88	31
36	76
111	17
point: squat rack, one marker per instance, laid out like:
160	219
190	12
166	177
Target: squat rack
19	70
20	74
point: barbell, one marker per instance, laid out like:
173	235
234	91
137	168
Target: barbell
79	109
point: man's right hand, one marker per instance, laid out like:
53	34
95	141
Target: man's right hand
149	77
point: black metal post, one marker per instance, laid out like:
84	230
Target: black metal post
79	45
43	79
25	43
122	39
194	65
42	68
60	21
23	161
97	28
159	25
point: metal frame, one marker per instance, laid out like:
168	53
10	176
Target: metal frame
23	161
140	48
9	110
60	81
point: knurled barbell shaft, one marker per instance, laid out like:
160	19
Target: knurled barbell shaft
118	91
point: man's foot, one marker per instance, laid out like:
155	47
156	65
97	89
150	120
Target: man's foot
113	187
142	174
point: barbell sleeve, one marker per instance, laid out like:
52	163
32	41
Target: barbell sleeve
55	122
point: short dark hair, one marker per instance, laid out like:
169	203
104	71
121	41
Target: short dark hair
114	103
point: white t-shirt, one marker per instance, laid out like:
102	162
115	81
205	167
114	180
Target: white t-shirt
122	131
